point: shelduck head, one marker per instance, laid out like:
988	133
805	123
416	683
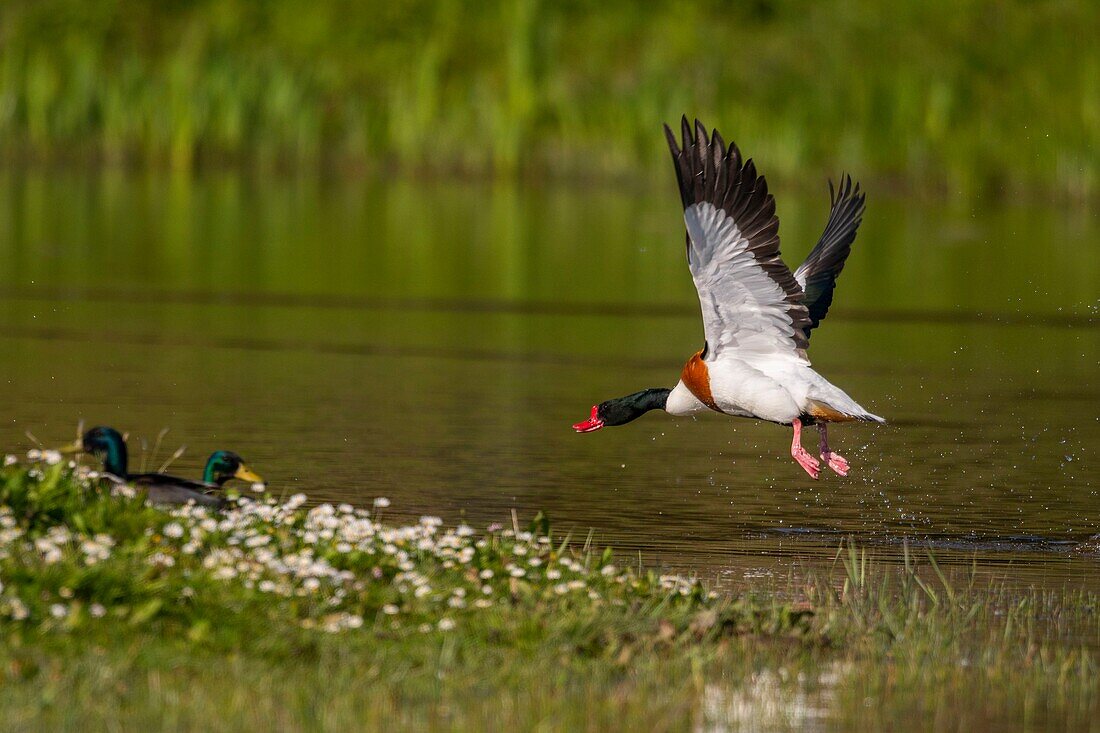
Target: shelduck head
622	410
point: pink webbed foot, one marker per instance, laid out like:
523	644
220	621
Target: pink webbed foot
800	454
808	462
835	461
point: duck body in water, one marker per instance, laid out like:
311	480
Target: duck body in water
757	314
108	445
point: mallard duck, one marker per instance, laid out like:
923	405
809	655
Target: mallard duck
757	314
108	445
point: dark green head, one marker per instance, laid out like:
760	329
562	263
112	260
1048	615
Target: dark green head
224	465
622	410
107	445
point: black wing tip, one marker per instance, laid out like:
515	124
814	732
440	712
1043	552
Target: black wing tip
826	260
846	190
670	137
700	154
694	132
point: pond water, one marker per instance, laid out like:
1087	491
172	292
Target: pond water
433	342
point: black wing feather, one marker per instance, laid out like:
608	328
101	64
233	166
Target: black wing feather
818	274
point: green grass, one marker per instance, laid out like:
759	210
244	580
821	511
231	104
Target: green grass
970	98
117	615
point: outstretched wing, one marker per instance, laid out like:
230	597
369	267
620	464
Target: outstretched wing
817	275
750	301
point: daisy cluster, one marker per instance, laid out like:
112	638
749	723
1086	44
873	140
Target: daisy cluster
74	549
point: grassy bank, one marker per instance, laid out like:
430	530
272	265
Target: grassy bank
972	97
115	614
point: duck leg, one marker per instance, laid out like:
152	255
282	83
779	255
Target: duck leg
800	454
835	461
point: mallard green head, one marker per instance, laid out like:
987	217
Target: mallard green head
224	465
108	445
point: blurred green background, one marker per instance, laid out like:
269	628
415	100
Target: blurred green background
959	97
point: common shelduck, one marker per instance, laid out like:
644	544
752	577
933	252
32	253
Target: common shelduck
757	315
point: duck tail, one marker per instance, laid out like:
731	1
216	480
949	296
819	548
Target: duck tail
851	412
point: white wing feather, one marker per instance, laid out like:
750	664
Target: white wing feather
743	309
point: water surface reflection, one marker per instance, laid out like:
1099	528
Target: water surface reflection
433	344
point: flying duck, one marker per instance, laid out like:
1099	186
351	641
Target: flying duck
757	315
108	445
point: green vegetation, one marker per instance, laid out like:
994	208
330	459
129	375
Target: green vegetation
966	97
114	614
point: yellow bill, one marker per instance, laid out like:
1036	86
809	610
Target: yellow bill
244	473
